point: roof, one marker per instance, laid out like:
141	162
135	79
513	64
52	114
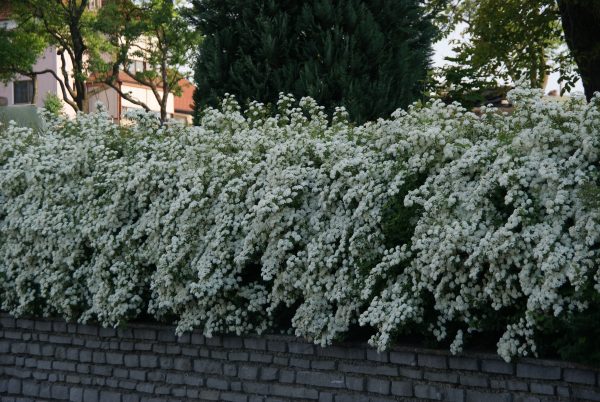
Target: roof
4	10
185	102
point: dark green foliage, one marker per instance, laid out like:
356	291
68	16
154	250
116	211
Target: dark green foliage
370	56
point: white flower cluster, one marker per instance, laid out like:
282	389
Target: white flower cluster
230	225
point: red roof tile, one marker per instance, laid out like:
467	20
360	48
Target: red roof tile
185	102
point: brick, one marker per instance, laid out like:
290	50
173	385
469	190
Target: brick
232	342
40	376
4	346
248	373
193	380
197	339
162	390
280	360
42	326
139	375
76	395
563	391
404	358
87	330
207	366
276	346
323	364
378	386
526	398
476	396
514	385
114	358
255	343
287	376
233	397
209	395
402	388
213	341
167	335
59	392
474	380
145	387
101	370
463	363
497	367
545	389
18	348
374	355
294	392
579	376
174	378
343	353
107	332
146	346
525	370
166	362
85	356
109	396
586	394
230	370
14	386
144	333
30	388
129	385
184	338
63	366
157	376
256	388
218	354
368	369
441	376
238	356
217	383
301	363
318	379
454	395
130	398
301	348
430	392
191	352
182	364
90	395
325	397
99	357
268	373
73	354
433	361
149	361
349	398
411	373
131	361
355	383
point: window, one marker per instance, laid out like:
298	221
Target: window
136	66
23	91
94	4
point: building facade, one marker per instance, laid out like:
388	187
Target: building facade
21	90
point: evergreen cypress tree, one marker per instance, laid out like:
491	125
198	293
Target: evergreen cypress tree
370	56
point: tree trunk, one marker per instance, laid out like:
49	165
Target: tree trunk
581	24
34	88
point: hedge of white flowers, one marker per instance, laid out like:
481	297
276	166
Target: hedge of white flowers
436	217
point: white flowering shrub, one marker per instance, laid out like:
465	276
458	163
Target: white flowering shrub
253	222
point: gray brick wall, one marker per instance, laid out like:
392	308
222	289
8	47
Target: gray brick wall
50	360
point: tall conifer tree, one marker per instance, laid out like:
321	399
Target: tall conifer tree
370	56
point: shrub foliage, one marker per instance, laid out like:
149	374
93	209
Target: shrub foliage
435	219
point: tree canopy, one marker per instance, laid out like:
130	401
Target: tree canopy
370	56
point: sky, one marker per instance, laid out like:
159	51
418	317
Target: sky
443	49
